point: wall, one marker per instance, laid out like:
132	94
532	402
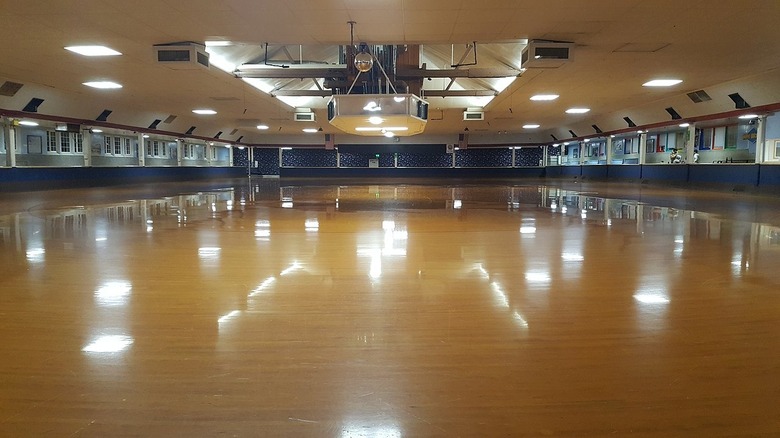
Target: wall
22	179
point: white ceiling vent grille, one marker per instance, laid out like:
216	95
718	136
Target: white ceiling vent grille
182	56
545	54
473	115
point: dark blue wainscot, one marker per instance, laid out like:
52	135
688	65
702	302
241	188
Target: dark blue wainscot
625	172
413	172
20	179
769	176
595	172
673	173
738	175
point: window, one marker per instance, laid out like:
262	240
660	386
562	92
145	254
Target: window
117	146
78	143
156	148
51	141
189	151
213	153
64	142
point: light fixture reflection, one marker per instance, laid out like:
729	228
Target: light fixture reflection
113	293
651	298
108	344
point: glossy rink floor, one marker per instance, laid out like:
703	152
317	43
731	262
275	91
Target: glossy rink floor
260	308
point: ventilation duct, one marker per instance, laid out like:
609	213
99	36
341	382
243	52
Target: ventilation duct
545	54
10	88
182	56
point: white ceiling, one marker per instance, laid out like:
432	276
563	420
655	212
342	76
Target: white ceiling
720	46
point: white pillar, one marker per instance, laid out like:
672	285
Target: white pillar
582	146
545	156
86	143
610	153
6	133
761	146
230	157
643	148
141	150
11	145
179	151
513	157
690	143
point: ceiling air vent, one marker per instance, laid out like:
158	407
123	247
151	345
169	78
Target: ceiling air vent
304	117
545	54
182	56
10	88
473	115
699	96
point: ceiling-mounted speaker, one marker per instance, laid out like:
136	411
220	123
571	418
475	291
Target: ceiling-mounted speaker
630	122
463	141
190	131
10	88
330	141
154	124
675	115
103	116
597	129
182	56
32	105
739	101
545	54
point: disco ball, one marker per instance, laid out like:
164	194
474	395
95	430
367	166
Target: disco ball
364	62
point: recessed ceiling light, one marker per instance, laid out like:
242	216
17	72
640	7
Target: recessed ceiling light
748	116
218	43
96	131
103	85
544	97
661	83
93	50
310	130
684	125
262	127
28	123
145	136
577	110
530	126
204	111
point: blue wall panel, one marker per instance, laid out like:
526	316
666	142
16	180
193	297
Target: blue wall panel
665	172
741	174
70	177
594	172
528	156
769	175
483	157
410	172
267	161
624	171
571	170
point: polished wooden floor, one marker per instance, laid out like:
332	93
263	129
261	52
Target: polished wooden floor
260	308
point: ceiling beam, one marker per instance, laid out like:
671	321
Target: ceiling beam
476	73
458	93
292	73
426	93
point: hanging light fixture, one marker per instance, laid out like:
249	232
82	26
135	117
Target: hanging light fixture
389	115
